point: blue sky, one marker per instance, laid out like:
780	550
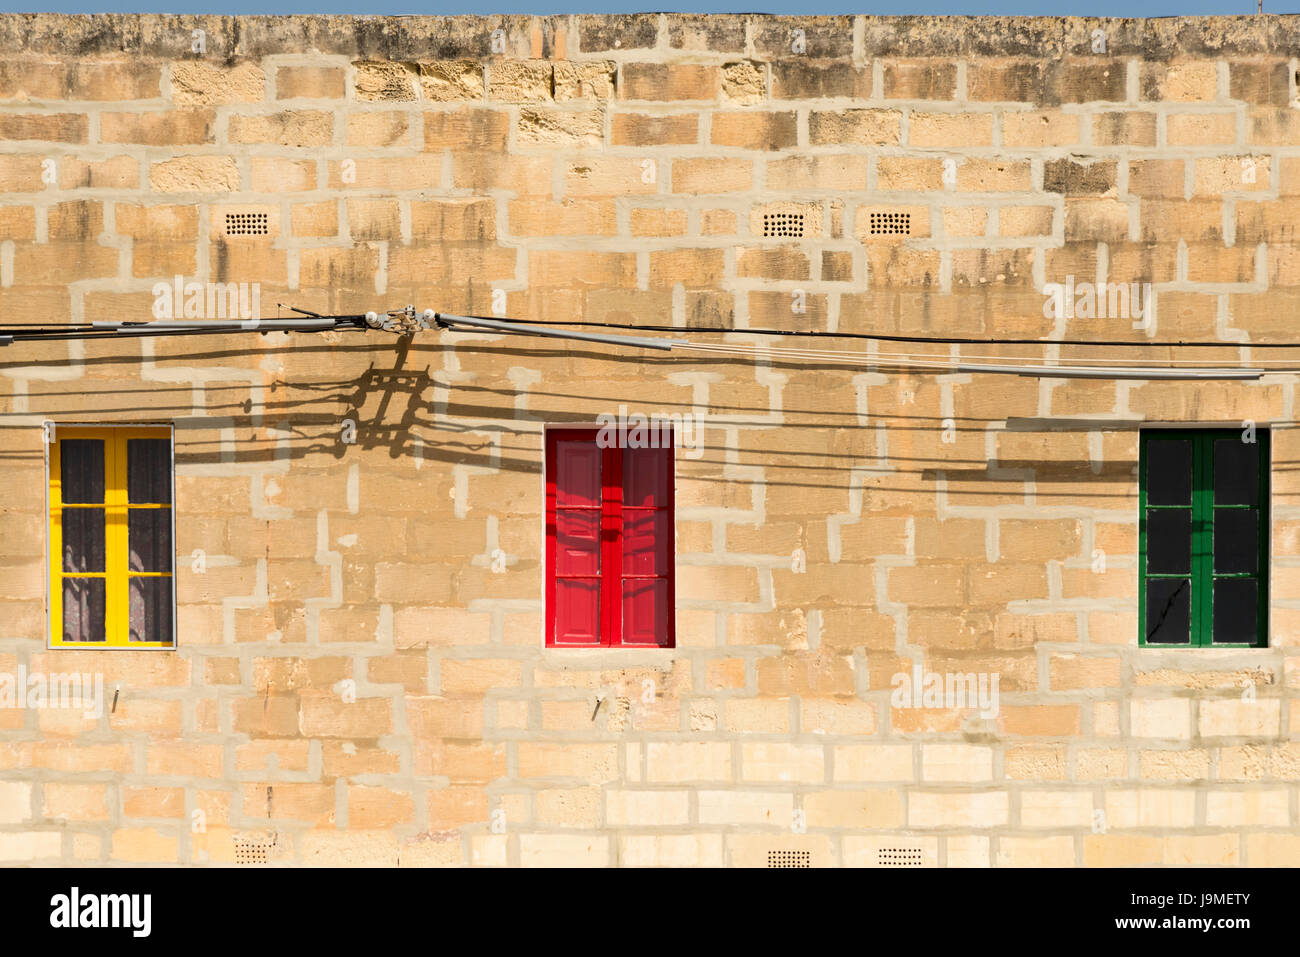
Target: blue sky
1085	8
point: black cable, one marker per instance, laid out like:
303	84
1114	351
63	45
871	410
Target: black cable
147	333
142	330
871	336
357	321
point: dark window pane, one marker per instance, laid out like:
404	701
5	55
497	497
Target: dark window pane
1169	541
83	539
1169	472
81	470
83	609
1236	472
151	609
1236	540
149	471
1236	611
149	538
1169	611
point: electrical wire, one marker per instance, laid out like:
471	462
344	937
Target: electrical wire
129	330
905	356
1081	366
931	363
883	337
358	321
961	365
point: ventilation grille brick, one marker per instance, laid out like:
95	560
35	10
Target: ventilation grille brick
789	225
891	224
789	858
247	224
898	857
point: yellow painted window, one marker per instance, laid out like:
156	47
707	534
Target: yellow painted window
111	555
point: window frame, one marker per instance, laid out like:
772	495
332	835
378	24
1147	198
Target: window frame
611	551
113	432
1201	617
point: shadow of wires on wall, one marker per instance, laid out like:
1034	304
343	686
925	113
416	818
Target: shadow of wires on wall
400	404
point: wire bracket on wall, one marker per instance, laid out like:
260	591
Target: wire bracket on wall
402	322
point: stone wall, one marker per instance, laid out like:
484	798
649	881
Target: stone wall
905	176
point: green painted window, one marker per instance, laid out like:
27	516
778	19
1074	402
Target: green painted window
1203	538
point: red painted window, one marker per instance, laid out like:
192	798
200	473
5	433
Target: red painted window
609	543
